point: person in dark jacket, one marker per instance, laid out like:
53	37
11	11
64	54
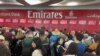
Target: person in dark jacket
72	49
38	48
42	38
81	47
58	48
98	50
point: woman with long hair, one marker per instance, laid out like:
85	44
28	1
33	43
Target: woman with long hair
38	49
58	48
72	49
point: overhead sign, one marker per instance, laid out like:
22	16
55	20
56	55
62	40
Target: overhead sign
50	14
52	18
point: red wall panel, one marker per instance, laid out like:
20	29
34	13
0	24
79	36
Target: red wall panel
69	19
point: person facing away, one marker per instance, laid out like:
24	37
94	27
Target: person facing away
4	50
72	49
41	39
81	47
26	44
18	44
87	40
38	48
93	46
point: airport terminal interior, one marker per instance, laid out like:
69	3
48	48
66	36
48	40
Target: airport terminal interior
49	27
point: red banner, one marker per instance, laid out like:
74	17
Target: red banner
69	19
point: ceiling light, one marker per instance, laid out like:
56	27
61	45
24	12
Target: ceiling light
12	2
56	4
34	2
64	3
1	2
72	3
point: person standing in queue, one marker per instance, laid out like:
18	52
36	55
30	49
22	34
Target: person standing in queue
4	50
26	44
39	49
58	48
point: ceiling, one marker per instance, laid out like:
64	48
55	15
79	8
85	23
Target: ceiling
28	4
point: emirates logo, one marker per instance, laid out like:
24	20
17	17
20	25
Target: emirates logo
71	15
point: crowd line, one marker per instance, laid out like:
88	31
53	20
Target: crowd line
31	41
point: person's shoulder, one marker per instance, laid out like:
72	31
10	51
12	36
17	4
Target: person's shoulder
37	52
81	45
69	42
35	39
2	44
70	55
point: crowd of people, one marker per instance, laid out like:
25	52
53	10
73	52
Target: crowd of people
31	41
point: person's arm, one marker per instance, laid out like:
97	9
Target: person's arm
89	50
61	50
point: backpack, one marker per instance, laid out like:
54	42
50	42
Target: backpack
27	41
53	38
18	48
26	46
82	48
